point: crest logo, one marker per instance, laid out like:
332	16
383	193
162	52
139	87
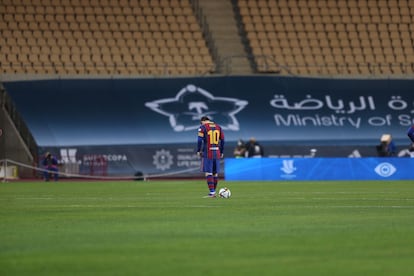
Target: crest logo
69	156
191	103
288	167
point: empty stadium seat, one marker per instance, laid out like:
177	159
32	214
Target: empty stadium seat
375	29
77	27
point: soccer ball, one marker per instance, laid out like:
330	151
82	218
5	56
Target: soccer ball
224	193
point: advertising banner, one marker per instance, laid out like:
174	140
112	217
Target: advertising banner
165	111
152	123
127	160
319	169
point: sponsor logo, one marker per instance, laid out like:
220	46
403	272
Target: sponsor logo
191	103
68	156
163	159
385	169
288	168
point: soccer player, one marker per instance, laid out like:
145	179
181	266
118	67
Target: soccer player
210	145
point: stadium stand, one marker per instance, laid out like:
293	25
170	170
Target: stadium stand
167	37
323	37
114	37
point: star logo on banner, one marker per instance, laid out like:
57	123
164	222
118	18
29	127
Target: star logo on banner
191	103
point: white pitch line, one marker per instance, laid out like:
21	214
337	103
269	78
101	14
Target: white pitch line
358	206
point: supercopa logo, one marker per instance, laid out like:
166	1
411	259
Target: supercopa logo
191	103
288	168
163	159
385	169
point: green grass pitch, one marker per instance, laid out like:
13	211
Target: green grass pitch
167	228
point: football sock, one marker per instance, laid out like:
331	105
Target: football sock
210	183
215	181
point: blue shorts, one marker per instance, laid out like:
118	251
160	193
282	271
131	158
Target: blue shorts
210	165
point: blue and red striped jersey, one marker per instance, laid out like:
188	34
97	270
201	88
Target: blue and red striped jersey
210	140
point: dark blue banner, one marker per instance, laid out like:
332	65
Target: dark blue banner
164	111
127	160
150	125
